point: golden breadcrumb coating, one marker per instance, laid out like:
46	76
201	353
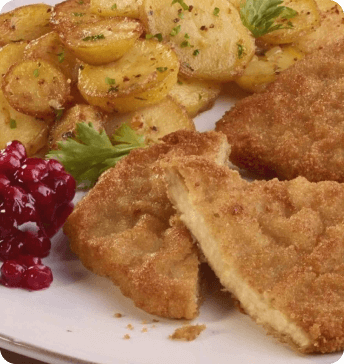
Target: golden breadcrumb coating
296	127
277	246
126	229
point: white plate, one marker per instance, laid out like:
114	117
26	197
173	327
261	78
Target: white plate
73	321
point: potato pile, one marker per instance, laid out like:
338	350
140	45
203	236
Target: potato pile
155	64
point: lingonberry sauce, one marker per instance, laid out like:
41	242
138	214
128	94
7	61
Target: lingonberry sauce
32	190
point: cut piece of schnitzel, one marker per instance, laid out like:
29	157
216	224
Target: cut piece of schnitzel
296	127
277	246
125	228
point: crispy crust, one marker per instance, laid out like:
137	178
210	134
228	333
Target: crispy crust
277	246
296	126
125	228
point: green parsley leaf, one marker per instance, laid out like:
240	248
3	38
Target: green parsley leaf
216	11
186	36
78	14
182	4
185	44
240	50
36	72
110	81
262	16
161	69
58	114
196	52
91	152
175	30
13	124
61	56
158	36
114	6
94	37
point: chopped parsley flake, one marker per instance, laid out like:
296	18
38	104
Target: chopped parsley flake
196	52
181	15
161	69
78	14
58	114
185	44
240	50
93	37
36	72
186	36
216	11
114	6
179	82
175	30
110	81
181	3
80	2
61	56
13	124
158	36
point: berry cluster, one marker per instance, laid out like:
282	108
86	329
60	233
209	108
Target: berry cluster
34	191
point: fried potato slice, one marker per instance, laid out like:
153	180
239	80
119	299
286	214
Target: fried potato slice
104	41
208	36
30	131
143	76
24	23
195	95
263	70
155	121
65	128
36	88
70	13
129	8
330	31
307	20
10	54
50	48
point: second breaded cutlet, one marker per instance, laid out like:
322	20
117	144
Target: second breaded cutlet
126	229
277	246
296	127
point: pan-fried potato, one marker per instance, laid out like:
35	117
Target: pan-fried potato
10	54
32	132
104	41
209	37
330	31
143	76
36	88
50	48
129	8
155	121
262	70
69	13
195	95
307	20
66	126
24	23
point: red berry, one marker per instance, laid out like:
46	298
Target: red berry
16	148
54	165
11	248
37	277
36	244
9	163
28	260
12	273
33	170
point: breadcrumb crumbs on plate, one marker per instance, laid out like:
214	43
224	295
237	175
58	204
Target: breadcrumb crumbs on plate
130	327
118	315
126	337
144	329
187	333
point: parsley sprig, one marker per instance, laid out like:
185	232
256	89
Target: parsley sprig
91	152
260	16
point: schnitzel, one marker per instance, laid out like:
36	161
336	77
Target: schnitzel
278	247
296	127
126	229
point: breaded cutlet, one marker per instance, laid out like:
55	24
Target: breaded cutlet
277	246
295	127
125	228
